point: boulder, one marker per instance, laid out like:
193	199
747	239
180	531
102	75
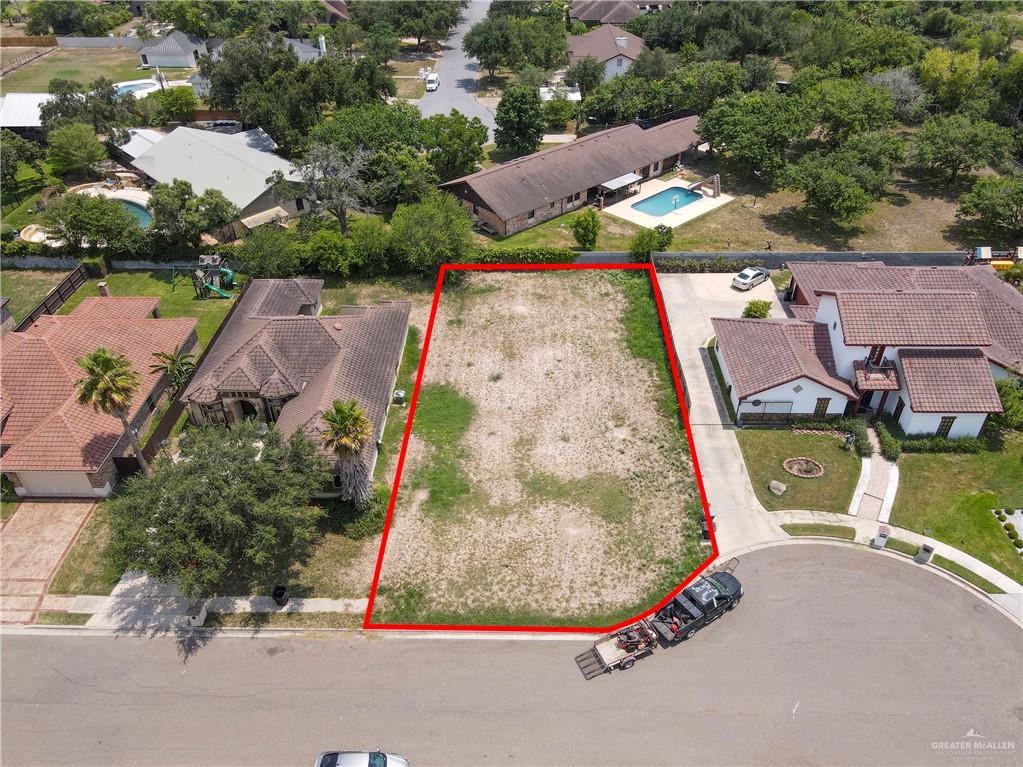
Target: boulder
777	487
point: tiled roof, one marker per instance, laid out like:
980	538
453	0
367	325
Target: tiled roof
803	312
268	348
911	318
47	430
874	378
762	354
1001	304
949	381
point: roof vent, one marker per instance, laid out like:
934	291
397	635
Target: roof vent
622	42
338	326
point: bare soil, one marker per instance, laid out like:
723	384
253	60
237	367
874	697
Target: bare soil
579	489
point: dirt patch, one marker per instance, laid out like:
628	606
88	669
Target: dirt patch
542	479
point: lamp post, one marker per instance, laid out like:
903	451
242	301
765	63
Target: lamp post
756	191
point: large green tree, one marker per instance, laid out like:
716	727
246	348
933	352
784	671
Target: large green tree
81	220
97	105
435	231
520	120
997	202
953	144
334	180
453	143
253	58
239	502
15	153
494	43
108	385
587	73
845	107
959	81
181	216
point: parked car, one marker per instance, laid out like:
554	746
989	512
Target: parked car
750	277
360	759
432	82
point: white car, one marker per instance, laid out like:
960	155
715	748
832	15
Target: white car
750	277
432	82
360	759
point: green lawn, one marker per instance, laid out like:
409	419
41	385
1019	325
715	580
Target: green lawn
950	497
781	278
177	297
19	202
7	508
27	287
615	234
410	88
284	620
86	568
831	531
83	65
967	575
397	415
766	449
55	618
903	547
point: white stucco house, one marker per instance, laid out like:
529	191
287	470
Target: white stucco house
926	354
176	50
612	46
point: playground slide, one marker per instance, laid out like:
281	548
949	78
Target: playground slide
218	291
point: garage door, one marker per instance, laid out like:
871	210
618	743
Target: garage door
57	483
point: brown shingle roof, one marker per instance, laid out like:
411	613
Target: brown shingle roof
312	359
604	11
545	177
911	318
1000	303
47	430
949	381
603	44
762	354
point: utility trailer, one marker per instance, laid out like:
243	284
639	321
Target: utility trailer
618	650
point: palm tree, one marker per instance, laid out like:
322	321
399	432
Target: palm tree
178	366
346	432
109	386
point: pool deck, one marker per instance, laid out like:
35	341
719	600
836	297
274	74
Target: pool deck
652	186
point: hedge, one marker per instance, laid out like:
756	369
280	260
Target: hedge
719	264
20	248
894	441
891	448
853	426
534	255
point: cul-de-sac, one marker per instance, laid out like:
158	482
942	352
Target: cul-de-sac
584	383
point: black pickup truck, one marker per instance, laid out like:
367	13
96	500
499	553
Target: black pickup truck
703	601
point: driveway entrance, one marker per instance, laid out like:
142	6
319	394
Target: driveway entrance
33	543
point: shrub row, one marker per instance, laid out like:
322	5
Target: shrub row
853	426
534	255
894	442
719	264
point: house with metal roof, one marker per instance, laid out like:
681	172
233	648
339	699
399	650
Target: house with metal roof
921	345
611	46
237	164
538	187
279	361
177	49
53	446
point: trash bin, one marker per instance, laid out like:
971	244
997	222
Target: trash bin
924	555
280	595
881	539
705	530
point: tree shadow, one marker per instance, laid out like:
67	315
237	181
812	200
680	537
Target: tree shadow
806	224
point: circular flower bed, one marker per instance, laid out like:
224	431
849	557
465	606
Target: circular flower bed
807	468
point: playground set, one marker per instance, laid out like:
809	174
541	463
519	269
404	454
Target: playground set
212	278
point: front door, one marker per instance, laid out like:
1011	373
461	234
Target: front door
899	407
821	409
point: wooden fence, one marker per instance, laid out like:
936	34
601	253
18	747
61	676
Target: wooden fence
177	406
25	41
57	297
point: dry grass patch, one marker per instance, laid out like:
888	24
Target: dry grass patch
547	479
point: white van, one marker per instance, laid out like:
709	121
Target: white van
432	82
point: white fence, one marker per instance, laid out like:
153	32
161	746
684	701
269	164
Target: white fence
99	42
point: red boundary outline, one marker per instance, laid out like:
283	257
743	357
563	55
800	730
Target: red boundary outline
665	332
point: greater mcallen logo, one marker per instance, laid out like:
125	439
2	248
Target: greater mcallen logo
974	743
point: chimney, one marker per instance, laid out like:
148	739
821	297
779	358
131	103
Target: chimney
323	46
622	42
103	289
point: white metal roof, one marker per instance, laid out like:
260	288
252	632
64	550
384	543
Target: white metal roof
141	139
238	165
21	110
620	181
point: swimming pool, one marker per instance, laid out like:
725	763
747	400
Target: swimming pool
137	87
141	214
666	201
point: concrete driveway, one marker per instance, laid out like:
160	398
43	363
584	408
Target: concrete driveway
458	75
690	301
32	545
836	656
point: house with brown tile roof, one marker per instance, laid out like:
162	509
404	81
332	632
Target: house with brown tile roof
538	187
611	46
921	345
51	445
279	361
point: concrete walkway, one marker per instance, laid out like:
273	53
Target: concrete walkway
877	486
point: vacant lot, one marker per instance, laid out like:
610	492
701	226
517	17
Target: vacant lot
27	287
547	479
83	65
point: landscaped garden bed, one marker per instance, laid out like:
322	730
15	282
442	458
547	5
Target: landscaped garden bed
547	479
767	450
950	497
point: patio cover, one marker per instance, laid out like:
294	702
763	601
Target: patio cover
276	213
617	183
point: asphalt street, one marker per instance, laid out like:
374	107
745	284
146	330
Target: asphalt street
835	656
458	75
